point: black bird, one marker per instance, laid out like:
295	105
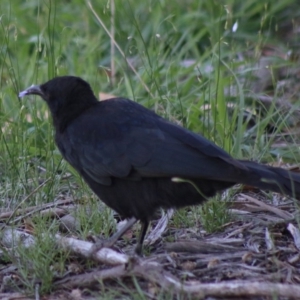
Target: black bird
128	155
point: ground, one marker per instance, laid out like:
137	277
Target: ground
231	75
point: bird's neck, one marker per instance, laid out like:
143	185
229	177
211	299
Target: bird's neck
65	115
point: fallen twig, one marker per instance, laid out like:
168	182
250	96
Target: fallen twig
33	209
155	274
281	213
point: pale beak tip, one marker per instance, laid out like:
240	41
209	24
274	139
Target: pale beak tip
22	94
33	90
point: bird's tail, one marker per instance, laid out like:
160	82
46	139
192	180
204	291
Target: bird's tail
271	178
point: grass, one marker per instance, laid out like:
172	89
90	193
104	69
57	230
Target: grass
43	264
186	57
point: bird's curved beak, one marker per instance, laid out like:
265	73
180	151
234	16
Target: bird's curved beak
33	90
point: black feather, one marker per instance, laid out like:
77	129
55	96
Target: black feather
128	155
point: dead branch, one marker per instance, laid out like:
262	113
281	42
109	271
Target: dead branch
34	209
155	274
104	255
279	212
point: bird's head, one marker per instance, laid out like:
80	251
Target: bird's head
63	95
66	96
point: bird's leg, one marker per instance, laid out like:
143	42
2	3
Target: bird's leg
108	243
139	245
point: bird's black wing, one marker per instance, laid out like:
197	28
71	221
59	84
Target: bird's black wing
119	138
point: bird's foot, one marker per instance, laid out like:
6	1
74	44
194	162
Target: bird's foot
101	243
108	243
138	249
